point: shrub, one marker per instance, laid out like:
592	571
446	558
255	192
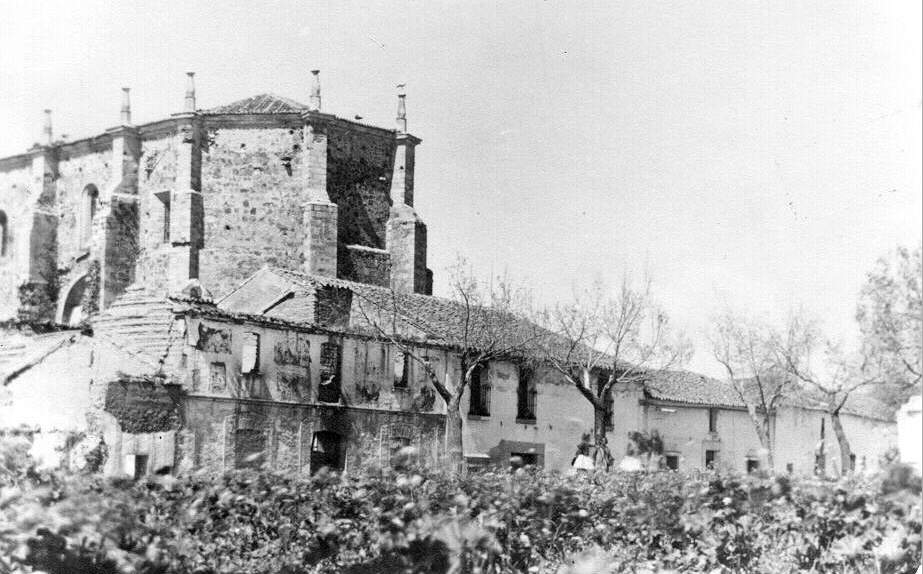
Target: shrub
523	521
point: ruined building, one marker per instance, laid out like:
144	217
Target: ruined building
188	293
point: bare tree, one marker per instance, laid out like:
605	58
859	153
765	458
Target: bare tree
838	379
747	350
481	324
890	316
604	340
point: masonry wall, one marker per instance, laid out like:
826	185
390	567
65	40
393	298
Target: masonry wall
157	174
17	199
684	430
563	415
253	198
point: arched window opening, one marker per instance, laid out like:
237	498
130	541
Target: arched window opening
72	314
90	200
526	394
4	235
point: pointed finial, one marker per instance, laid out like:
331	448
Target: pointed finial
189	106
46	130
126	107
314	103
401	113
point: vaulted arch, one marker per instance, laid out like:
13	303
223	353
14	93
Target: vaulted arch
70	311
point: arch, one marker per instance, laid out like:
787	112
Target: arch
89	201
4	234
70	310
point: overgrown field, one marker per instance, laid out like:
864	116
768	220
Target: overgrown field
523	521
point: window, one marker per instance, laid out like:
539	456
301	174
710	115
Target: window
89	199
526	395
326	451
250	354
820	463
164	197
790	468
479	401
140	466
753	465
250	448
401	370
217	378
672	461
4	235
329	389
712	420
711	459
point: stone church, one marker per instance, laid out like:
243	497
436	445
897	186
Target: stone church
187	294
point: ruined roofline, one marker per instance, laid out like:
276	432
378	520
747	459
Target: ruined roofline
101	140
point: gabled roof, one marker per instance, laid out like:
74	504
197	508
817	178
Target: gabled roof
259	104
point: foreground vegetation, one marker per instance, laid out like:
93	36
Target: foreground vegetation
522	521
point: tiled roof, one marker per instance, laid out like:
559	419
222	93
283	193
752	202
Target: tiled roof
696	389
260	104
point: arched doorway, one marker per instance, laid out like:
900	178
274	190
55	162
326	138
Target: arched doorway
71	312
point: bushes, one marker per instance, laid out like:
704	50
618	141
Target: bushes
527	521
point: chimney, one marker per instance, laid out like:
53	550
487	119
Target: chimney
46	130
401	114
126	107
314	103
189	106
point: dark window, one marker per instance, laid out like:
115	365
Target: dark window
402	370
326	451
820	463
90	198
789	468
479	403
164	197
711	458
521	459
712	420
140	466
217	378
753	465
672	461
250	448
852	461
526	395
329	389
4	234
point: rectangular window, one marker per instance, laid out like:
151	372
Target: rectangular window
164	197
672	461
326	451
217	378
479	402
711	459
712	420
250	354
140	469
753	465
789	468
401	370
526	395
329	389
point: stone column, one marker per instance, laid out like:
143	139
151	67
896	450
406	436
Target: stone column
320	215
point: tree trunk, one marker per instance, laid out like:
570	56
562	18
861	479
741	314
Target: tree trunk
846	463
455	452
602	458
761	423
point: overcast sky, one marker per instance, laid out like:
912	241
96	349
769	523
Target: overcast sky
756	154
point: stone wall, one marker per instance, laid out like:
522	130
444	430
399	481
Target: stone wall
218	428
17	200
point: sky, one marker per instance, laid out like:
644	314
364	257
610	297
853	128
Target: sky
753	155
